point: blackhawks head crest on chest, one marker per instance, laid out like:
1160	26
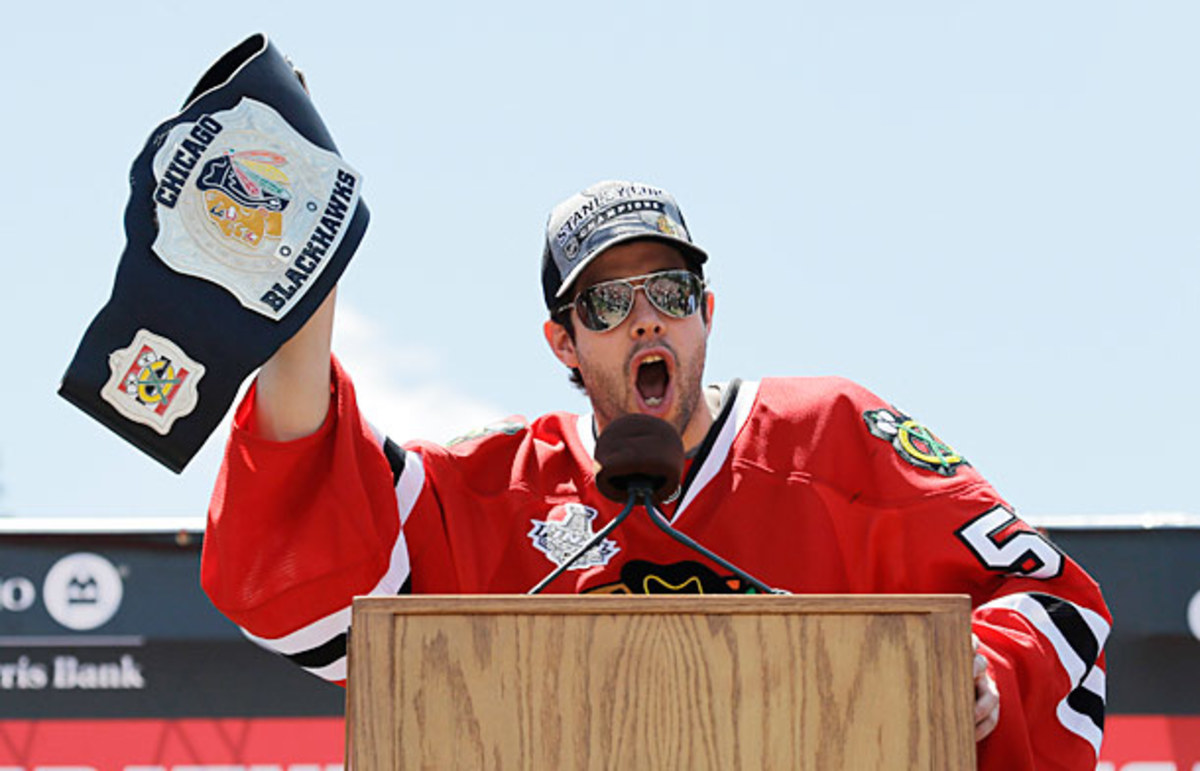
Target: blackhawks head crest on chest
913	441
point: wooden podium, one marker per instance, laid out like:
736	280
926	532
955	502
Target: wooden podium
660	682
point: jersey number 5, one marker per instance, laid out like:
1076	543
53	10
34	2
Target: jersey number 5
1022	552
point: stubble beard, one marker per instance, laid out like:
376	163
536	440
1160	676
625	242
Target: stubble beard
611	392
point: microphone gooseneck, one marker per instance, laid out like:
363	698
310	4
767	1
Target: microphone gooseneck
641	459
661	522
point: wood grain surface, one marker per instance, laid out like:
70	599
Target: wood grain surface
695	682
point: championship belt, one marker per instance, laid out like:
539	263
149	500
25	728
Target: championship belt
241	218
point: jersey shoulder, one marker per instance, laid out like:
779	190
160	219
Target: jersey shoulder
507	454
842	434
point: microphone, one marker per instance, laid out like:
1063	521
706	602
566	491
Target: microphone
641	457
639	453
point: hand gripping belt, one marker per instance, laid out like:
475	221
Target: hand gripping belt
241	218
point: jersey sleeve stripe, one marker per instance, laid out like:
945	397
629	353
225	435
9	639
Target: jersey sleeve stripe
1067	636
397	573
408	489
334	673
328	654
1087	703
323	655
1083	709
395	458
1070	621
320	647
306	638
1094	687
1081	725
1070	629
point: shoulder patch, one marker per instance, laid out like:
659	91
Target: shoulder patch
506	427
913	442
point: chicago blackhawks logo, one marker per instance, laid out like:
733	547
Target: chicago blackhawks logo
643	577
245	194
565	530
152	381
246	201
913	442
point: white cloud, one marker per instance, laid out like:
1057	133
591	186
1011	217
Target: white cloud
401	387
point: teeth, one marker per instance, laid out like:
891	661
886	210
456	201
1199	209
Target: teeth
652	401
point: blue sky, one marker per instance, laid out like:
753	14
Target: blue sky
984	212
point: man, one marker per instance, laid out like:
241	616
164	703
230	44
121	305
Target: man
810	484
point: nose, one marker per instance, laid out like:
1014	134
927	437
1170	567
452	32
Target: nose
645	320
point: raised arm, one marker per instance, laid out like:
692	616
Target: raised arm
292	395
306	512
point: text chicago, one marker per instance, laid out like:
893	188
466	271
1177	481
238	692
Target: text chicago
170	187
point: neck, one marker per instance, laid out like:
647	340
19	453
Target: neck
702	419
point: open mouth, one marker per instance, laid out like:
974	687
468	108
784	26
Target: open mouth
653	377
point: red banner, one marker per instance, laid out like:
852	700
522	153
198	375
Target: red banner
227	744
1131	743
1150	743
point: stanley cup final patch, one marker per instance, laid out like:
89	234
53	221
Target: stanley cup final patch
243	200
565	530
152	382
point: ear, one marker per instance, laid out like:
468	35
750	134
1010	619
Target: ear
561	343
709	304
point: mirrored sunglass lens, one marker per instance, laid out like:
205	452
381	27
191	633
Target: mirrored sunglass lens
606	304
675	294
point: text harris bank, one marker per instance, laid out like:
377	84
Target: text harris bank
112	659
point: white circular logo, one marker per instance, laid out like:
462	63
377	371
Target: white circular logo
82	591
1194	615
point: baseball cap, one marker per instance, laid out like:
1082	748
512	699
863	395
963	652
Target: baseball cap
598	218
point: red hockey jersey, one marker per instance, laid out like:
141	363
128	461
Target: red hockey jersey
811	485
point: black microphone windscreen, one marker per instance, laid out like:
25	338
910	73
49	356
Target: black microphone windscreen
640	449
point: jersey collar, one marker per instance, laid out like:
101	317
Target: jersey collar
737	401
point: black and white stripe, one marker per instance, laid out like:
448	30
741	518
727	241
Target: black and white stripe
714	449
395	456
1078	636
320	647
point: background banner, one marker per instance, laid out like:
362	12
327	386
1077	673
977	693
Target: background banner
112	659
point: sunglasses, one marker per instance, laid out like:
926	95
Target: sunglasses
603	306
